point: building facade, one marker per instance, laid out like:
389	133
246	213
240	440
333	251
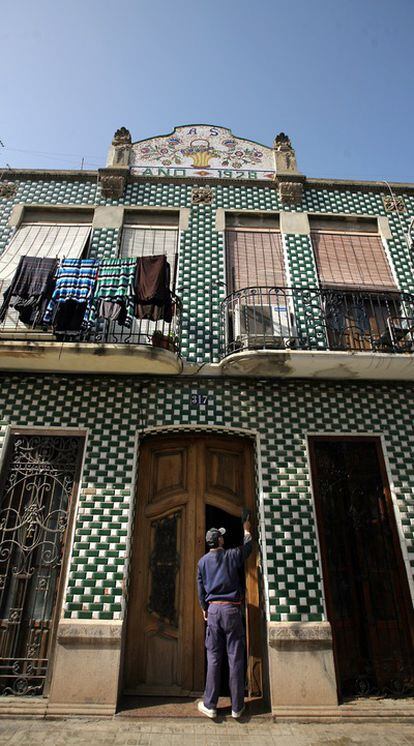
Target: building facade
282	381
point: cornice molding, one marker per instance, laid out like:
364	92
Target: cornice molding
82	175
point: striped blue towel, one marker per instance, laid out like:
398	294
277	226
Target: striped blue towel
75	280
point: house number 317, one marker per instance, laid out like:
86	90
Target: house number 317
199	399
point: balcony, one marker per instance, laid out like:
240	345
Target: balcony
148	347
311	332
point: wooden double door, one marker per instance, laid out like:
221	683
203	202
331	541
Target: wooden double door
186	484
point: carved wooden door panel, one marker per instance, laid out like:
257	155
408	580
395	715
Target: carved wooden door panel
178	478
225	481
160	609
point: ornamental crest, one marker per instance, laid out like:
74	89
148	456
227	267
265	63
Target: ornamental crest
205	151
8	189
202	195
393	203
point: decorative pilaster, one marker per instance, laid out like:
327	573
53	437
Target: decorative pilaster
119	151
113	178
285	157
289	177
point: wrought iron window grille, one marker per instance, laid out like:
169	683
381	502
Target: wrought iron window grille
35	496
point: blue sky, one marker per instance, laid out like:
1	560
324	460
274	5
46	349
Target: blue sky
337	76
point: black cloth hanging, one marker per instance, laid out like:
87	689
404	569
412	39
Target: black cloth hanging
69	317
152	288
31	288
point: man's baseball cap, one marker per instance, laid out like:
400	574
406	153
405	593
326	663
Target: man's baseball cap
213	535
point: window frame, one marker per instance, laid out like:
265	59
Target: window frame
267	223
132	221
352	226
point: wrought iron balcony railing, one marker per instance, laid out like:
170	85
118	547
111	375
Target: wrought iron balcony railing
269	318
160	333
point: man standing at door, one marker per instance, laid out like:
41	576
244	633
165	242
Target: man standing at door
221	592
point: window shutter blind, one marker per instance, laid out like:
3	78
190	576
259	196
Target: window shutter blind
42	240
352	261
254	259
138	242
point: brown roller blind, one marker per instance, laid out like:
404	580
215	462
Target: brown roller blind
254	258
352	261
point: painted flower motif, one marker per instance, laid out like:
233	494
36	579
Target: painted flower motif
239	153
229	143
145	150
174	140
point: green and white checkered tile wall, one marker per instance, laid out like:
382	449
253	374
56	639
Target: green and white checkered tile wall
201	278
281	413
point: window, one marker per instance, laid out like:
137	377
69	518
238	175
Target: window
359	290
150	233
258	311
351	255
44	233
254	252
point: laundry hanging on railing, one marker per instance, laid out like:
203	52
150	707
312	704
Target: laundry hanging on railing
70	296
152	288
31	288
113	297
69	308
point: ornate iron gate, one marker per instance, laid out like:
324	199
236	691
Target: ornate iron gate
35	493
367	595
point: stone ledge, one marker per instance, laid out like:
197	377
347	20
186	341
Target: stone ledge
325	183
318	364
33	707
93	635
300	635
36	355
373	712
78	710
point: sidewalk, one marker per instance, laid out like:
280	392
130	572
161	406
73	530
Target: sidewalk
171	732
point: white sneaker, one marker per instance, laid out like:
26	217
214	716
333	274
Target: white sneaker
238	714
205	711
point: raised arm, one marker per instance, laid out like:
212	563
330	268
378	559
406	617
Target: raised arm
247	539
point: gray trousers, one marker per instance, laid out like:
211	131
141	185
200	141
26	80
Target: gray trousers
225	632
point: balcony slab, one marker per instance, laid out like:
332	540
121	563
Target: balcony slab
324	364
43	356
77	357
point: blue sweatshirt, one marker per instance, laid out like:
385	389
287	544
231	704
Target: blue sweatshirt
218	575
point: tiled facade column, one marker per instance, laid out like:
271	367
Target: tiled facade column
307	302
